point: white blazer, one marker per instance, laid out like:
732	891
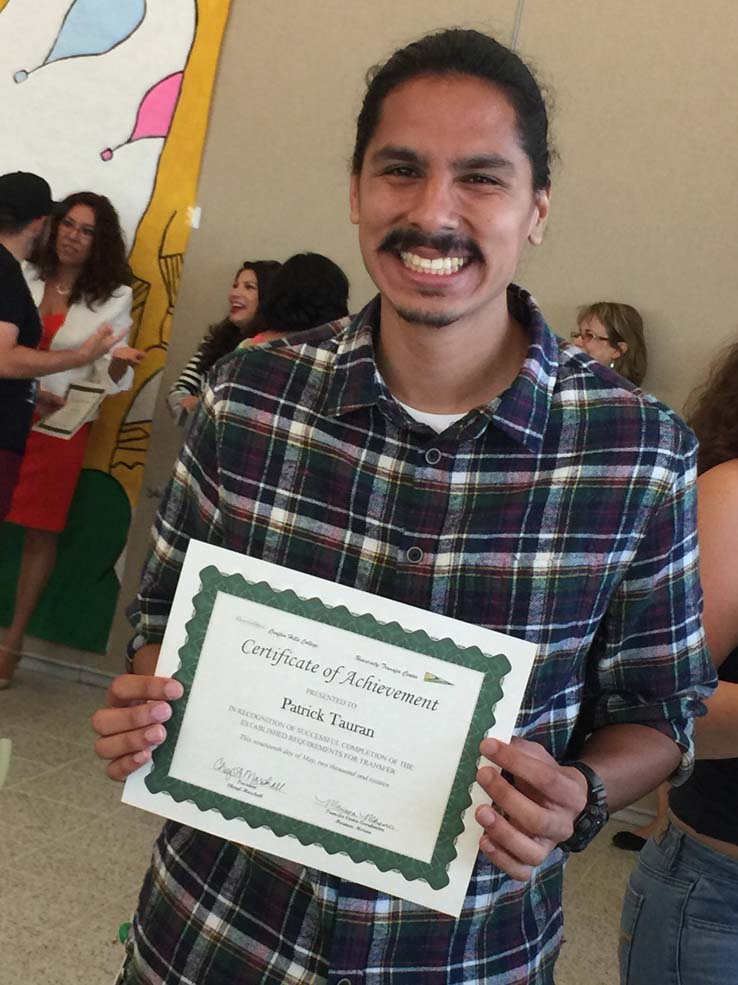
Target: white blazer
79	324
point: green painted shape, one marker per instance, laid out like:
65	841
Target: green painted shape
493	667
79	602
6	747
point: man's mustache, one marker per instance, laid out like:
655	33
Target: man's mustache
447	244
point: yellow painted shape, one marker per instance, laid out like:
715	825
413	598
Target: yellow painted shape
117	446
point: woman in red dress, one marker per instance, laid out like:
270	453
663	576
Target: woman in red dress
79	282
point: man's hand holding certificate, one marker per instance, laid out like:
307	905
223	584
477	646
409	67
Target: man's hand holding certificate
329	726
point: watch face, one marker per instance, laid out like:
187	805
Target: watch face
590	823
595	814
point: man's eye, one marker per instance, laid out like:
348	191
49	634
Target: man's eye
401	171
481	179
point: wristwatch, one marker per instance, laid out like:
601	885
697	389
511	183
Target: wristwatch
595	814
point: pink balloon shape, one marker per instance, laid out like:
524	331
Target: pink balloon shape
157	108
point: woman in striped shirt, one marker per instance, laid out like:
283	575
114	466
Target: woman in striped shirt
249	285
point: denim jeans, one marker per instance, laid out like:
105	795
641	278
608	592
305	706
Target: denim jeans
679	924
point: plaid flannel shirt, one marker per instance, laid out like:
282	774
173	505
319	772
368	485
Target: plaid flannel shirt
562	512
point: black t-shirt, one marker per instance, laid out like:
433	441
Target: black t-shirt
17	396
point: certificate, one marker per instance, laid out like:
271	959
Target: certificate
328	726
81	402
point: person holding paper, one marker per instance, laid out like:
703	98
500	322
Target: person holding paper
440	451
79	282
25	205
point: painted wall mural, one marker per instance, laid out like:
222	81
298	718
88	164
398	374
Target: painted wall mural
113	97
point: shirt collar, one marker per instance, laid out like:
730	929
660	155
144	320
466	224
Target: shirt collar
354	383
520	412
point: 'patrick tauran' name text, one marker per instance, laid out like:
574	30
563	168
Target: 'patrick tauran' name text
333	718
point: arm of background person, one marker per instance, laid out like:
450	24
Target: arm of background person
717	733
117	373
184	393
19	362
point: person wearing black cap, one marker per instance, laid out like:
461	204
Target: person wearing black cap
25	204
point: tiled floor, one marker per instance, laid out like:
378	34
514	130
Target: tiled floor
72	857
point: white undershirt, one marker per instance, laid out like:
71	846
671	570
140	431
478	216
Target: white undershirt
439	422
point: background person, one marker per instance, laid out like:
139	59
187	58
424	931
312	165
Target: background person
680	915
25	204
308	290
249	285
612	333
79	280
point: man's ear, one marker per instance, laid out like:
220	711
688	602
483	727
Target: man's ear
354	198
540	216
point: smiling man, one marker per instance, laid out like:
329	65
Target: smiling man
441	451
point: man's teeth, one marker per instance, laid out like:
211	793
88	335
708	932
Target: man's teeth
441	266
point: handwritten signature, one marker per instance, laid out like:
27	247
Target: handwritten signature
336	809
247	777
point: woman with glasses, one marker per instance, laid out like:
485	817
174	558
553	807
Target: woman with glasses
79	281
612	333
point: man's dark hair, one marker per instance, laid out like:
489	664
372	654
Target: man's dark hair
225	336
462	52
10	224
308	290
106	268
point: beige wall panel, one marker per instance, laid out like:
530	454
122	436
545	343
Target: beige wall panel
275	171
645	208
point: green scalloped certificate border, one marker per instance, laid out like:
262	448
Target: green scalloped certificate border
492	667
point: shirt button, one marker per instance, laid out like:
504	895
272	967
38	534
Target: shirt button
433	456
414	555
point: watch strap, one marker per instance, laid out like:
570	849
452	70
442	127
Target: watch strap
595	813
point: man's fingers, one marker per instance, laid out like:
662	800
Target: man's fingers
139	740
128	688
506	836
110	721
500	858
121	769
539	771
528	815
131	726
